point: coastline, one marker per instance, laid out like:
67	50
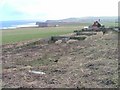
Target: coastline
14	25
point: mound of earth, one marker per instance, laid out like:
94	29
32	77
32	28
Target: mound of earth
91	63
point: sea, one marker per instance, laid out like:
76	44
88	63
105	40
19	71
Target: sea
4	25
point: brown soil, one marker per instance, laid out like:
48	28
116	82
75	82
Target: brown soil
91	63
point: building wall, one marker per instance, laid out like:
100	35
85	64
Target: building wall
41	24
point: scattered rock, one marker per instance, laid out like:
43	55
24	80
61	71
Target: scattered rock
58	42
56	60
37	72
71	41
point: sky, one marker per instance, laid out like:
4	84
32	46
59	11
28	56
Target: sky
56	9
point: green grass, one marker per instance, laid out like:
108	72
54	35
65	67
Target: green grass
110	24
23	34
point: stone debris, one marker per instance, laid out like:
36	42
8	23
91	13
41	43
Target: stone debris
37	72
71	41
58	42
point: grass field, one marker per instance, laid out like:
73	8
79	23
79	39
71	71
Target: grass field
111	24
23	34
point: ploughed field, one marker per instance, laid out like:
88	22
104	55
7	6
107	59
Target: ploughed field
89	63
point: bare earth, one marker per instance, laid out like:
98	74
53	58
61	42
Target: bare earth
91	63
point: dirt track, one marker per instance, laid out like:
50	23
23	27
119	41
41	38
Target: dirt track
91	63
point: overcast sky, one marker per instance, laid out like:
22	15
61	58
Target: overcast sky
56	9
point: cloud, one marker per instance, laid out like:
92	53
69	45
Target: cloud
56	9
8	12
12	11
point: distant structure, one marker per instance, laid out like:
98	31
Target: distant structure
42	24
97	24
47	24
56	25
